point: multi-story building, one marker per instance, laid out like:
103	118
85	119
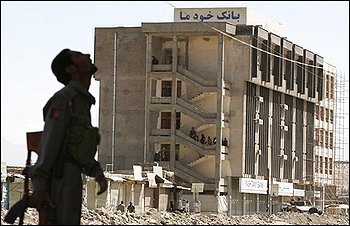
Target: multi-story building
227	77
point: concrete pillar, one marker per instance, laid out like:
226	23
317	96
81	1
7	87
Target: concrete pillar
219	107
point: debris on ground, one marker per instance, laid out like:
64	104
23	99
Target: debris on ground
110	216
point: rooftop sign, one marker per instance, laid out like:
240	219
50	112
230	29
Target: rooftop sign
232	15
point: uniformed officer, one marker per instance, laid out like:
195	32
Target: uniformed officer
57	174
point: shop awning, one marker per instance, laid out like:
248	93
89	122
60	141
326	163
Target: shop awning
154	179
183	188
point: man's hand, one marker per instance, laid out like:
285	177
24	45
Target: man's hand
102	182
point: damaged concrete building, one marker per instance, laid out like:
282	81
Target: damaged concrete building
228	73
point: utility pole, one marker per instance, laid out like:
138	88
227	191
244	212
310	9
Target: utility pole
268	191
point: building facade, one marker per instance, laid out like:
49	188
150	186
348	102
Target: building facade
253	92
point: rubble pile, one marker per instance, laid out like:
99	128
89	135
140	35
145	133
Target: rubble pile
110	216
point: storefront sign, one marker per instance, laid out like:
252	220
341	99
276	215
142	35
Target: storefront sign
299	192
285	189
250	185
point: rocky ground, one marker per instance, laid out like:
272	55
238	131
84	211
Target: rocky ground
110	216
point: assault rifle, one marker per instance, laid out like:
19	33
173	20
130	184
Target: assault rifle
19	208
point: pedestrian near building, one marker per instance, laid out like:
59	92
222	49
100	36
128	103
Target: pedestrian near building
193	133
121	207
203	141
187	206
209	141
157	153
131	208
214	140
68	142
224	142
155	60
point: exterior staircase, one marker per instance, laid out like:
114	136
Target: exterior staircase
200	160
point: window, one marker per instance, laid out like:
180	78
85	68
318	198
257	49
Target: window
168	56
166	88
322	113
331	116
178	120
276	66
326	140
330	140
264	67
321	137
317	109
299	75
165	152
165	120
331	91
327	86
288	71
177	151
179	88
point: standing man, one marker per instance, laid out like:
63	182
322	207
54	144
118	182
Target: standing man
131	208
121	207
68	143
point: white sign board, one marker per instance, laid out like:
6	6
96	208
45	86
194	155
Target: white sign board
197	187
317	194
299	192
251	185
285	189
158	170
137	172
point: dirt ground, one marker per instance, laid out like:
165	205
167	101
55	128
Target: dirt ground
110	216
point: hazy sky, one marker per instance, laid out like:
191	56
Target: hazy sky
32	33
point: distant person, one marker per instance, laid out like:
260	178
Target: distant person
163	154
202	139
196	137
121	207
224	142
214	140
157	154
193	133
131	208
187	206
209	141
155	60
292	201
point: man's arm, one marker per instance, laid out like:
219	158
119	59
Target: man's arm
97	172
